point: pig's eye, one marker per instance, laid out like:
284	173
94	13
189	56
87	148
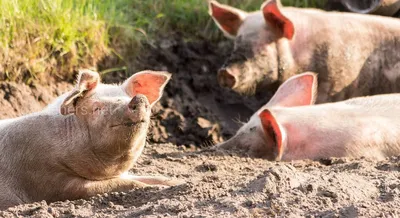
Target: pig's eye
252	129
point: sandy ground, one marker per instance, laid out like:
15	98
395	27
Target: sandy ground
194	114
226	185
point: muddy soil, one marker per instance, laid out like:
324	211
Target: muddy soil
194	114
195	110
20	99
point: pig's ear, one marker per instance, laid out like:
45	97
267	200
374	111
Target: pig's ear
87	80
227	18
298	90
274	17
148	83
274	133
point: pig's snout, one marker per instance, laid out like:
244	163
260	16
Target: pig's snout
138	108
139	101
226	78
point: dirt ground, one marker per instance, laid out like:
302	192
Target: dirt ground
194	114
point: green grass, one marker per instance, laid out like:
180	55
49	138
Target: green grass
191	16
56	37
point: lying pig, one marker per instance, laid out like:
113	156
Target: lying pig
82	144
354	54
290	127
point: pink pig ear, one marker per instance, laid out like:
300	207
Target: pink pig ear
274	133
148	83
87	81
227	18
298	90
274	17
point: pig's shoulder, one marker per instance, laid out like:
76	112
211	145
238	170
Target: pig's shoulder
5	122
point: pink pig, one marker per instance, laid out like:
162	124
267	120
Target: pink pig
290	127
82	144
354	54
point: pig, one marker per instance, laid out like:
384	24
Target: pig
291	127
82	144
354	54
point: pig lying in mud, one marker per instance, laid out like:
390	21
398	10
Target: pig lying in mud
354	54
82	144
290	127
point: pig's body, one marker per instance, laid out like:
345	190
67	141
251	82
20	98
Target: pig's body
354	55
366	126
56	155
289	127
27	170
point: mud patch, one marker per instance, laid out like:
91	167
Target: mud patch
20	99
194	110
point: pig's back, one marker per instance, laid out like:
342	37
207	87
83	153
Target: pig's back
329	16
368	126
385	106
384	102
4	123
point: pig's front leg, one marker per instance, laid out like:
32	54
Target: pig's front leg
92	188
154	180
123	184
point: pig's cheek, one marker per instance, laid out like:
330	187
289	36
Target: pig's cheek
96	115
242	145
99	116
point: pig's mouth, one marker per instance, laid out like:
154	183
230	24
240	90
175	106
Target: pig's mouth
129	123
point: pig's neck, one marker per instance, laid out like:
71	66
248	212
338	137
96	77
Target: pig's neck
293	58
68	141
106	161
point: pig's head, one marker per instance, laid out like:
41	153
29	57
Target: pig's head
255	60
114	119
264	135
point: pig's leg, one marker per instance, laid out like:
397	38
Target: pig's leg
92	188
156	180
125	183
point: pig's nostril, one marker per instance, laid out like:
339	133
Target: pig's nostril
226	79
138	102
132	105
